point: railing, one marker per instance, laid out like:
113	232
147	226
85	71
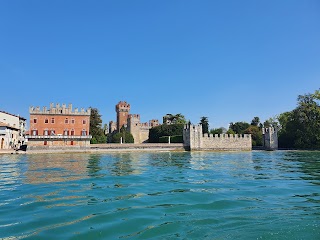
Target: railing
58	137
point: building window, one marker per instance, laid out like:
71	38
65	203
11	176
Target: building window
46	120
83	133
66	120
34	120
66	132
34	132
72	132
72	121
52	120
45	132
84	121
52	132
45	142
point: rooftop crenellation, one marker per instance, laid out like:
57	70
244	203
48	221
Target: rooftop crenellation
60	110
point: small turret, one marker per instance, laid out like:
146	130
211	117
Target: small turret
270	138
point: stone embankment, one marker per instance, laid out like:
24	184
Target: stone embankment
101	148
138	147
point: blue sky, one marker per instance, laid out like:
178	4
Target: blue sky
227	60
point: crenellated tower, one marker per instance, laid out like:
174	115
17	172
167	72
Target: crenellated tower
270	138
122	109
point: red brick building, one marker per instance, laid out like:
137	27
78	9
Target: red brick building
59	127
122	109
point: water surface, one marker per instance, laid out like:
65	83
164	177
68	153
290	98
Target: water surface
168	195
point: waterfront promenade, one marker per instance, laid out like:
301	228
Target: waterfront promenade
101	148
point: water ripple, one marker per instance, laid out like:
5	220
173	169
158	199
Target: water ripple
196	195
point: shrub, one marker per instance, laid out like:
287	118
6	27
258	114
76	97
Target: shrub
165	130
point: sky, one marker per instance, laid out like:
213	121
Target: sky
226	60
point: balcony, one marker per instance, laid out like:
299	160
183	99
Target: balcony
58	137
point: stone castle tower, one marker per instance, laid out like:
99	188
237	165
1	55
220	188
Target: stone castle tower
139	131
134	126
122	109
270	138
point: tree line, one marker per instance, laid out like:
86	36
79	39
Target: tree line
297	129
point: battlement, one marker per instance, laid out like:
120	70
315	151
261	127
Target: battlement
154	122
192	126
123	106
134	116
269	130
270	138
145	125
194	139
59	110
206	135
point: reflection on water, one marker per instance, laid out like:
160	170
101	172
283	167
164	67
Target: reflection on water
51	168
168	195
10	173
93	166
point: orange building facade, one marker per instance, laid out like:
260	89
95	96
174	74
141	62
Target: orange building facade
59	127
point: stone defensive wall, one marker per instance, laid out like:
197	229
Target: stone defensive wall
193	139
61	110
233	142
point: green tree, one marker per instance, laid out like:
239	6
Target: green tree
255	121
286	134
95	129
256	135
300	128
124	134
216	131
230	131
165	130
205	124
239	127
175	119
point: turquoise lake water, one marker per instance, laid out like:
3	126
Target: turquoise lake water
168	195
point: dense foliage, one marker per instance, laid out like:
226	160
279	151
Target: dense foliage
125	135
175	118
216	131
205	124
300	128
245	128
95	129
256	135
239	127
164	130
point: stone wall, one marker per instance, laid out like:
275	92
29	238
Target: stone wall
193	139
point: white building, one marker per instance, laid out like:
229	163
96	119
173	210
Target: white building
12	130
